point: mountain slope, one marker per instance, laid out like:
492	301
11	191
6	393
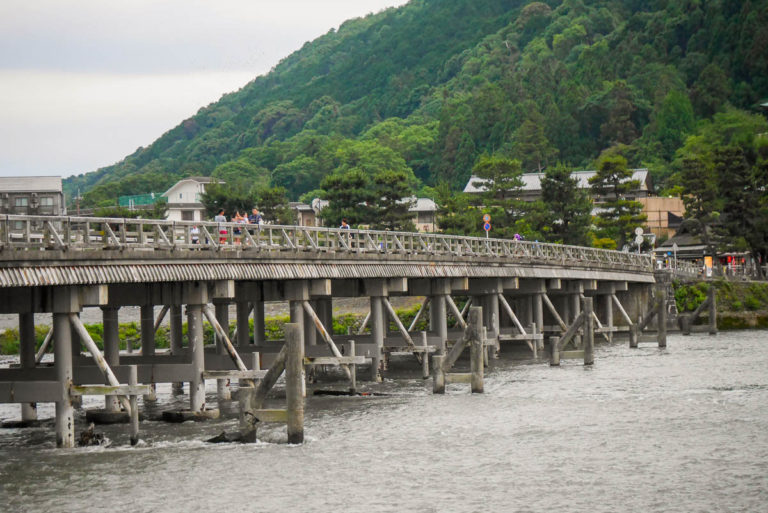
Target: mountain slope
438	82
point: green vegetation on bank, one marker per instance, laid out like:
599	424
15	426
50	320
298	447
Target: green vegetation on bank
740	305
417	98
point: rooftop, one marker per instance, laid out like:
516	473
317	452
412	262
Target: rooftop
532	181
30	184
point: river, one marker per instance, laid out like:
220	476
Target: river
682	429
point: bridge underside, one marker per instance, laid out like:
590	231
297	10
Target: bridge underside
523	302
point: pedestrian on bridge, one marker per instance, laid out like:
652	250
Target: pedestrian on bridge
221	218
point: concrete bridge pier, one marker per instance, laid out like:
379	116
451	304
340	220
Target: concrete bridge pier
607	300
221	311
196	297
438	318
575	309
259	329
538	317
176	342
296	292
376	290
65	412
65	301
310	339
111	340
147	330
74	336
243	335
27	342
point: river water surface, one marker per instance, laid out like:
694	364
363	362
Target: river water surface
680	429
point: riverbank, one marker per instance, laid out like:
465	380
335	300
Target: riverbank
740	305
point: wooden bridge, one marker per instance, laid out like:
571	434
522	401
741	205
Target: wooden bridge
528	292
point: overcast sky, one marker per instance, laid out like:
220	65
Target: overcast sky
83	83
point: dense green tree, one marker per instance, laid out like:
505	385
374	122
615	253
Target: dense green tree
350	196
456	212
393	193
229	197
272	203
711	90
241	174
612	185
532	146
500	180
568	209
674	121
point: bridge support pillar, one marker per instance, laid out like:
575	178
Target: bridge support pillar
538	316
310	332
294	381
222	316
608	306
491	321
438	320
148	339
575	300
324	310
195	295
243	330
661	316
378	331
62	348
65	302
111	340
74	336
197	350
712	296
176	334
27	341
296	292
258	322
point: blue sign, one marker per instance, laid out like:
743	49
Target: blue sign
487	227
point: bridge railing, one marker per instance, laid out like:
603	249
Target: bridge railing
42	233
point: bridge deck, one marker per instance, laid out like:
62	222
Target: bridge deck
44	250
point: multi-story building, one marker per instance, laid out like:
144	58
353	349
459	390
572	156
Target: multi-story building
32	195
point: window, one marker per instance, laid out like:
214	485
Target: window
21	202
46	201
187	215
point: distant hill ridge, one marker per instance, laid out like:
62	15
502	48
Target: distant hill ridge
435	83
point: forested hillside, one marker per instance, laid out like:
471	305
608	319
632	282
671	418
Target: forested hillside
427	89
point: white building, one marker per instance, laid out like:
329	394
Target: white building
184	199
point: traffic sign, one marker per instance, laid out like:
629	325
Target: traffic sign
639	230
639	240
487	218
487	227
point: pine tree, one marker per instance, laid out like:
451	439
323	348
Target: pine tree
500	178
568	208
618	216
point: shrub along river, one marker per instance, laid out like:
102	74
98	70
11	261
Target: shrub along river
678	429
